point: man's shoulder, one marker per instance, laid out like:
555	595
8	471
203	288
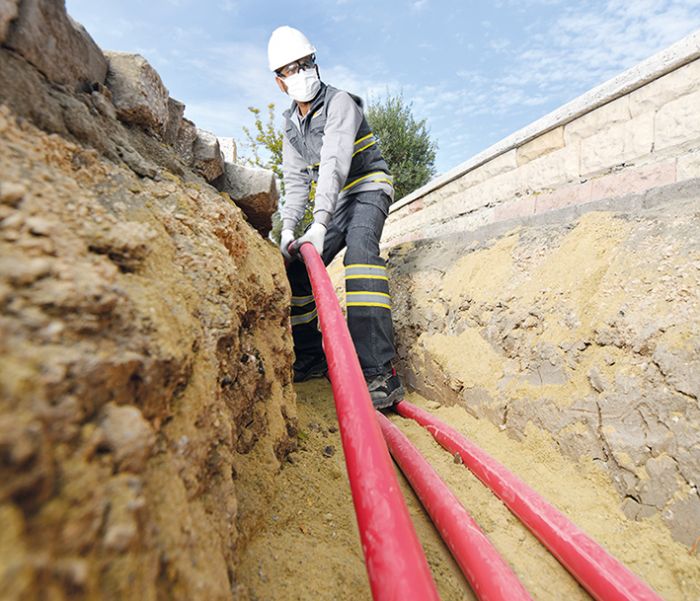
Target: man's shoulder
343	99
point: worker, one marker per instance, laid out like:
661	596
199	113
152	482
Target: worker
326	140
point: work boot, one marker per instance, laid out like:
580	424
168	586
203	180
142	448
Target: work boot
310	367
385	389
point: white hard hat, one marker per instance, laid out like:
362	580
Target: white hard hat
287	45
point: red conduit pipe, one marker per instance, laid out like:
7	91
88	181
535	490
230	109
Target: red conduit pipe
396	565
488	574
603	576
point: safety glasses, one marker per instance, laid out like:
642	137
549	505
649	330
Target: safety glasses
308	62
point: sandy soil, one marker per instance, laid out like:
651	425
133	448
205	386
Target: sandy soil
309	548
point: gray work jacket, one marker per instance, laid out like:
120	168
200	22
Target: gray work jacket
334	146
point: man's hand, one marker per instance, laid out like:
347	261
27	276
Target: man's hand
315	234
286	238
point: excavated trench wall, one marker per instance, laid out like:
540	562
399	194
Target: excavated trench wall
554	279
145	384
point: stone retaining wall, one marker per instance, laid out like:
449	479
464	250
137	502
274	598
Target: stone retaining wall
636	132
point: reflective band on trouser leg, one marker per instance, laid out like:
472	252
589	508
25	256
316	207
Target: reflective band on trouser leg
369	314
304	318
364	298
302	301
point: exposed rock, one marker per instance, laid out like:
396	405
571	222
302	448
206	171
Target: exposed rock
138	92
228	149
207	157
55	44
8	12
184	145
127	435
176	111
254	191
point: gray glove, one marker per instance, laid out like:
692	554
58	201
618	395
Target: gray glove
285	239
315	234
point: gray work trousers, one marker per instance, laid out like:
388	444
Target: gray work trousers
357	224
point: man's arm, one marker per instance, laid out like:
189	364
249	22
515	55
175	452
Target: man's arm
343	121
296	186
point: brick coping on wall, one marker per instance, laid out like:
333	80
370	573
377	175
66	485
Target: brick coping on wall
658	65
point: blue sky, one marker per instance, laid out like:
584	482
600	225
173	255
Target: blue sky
476	71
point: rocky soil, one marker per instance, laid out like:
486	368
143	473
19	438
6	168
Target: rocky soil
145	352
587	330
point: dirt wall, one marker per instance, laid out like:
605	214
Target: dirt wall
145	352
587	329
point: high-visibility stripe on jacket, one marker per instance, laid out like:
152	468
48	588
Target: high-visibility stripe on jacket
367	163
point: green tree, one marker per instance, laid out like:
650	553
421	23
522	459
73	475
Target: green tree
265	145
405	143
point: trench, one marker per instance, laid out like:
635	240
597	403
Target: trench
308	546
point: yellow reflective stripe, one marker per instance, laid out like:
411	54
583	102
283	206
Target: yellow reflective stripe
317	113
300	301
366	277
364	177
363	138
372	143
351	265
369	305
364	270
298	320
313	166
369	292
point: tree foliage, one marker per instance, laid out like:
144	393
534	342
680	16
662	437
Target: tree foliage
405	143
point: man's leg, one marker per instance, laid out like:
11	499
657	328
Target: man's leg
368	298
310	360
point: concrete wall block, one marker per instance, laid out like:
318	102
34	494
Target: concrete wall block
8	12
551	170
688	166
678	121
517	208
541	145
665	89
590	124
617	144
566	196
633	180
497	166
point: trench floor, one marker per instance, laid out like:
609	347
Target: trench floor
308	547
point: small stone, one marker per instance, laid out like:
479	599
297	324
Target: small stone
328	451
39	226
332	429
11	193
596	380
458	459
128	435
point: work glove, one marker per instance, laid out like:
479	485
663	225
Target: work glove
286	238
315	234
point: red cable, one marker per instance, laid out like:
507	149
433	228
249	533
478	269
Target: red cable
490	577
396	565
603	576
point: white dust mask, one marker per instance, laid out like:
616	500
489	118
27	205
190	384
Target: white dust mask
304	85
